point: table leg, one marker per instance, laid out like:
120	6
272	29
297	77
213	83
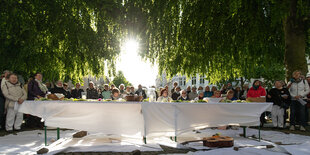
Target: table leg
244	132
259	134
45	136
58	135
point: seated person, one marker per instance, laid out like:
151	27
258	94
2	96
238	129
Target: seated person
92	93
115	94
77	92
106	93
58	89
183	96
176	93
207	92
66	88
230	95
132	90
256	90
164	96
141	92
200	96
193	94
217	94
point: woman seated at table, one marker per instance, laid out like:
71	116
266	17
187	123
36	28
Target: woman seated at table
115	94
230	95
164	96
217	94
183	96
256	91
200	96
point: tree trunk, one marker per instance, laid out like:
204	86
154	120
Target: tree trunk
295	42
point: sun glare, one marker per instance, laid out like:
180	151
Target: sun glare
134	68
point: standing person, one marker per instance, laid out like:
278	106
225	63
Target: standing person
207	92
281	98
2	100
175	84
141	92
176	93
77	92
106	93
193	94
92	92
237	93
164	96
183	96
6	74
188	89
299	89
15	95
244	91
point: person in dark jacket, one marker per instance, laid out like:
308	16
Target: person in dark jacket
176	93
77	92
2	101
141	92
92	93
68	93
58	89
281	98
183	96
36	89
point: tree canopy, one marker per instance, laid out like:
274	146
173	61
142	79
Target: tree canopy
120	79
222	39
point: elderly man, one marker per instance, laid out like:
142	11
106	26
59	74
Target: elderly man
141	92
92	92
77	92
193	94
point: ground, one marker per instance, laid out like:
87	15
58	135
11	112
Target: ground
31	140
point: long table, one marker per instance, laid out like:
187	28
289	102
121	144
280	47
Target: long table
143	118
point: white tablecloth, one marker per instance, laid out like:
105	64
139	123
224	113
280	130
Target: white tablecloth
158	118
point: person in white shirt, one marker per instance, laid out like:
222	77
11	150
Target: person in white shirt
299	89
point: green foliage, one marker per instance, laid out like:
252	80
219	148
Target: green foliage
223	39
120	79
62	39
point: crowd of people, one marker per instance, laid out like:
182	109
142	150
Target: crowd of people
294	96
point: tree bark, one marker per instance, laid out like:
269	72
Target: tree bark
295	42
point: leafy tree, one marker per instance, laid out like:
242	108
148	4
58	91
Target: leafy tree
224	39
120	79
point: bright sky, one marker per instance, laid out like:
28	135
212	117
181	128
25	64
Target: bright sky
135	70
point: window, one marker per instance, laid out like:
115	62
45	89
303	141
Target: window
180	81
202	80
184	81
193	80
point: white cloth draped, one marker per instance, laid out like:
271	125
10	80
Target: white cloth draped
144	118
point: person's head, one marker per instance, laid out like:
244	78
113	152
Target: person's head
59	83
77	85
91	85
106	87
175	84
217	93
12	77
167	87
122	87
127	88
207	88
238	88
164	93
132	89
112	86
188	88
6	74
230	94
296	74
245	86
194	88
48	84
200	88
38	76
278	84
139	86
256	84
213	89
115	92
229	85
308	78
183	93
65	86
178	89
201	94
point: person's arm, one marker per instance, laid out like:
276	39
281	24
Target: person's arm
306	90
7	94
